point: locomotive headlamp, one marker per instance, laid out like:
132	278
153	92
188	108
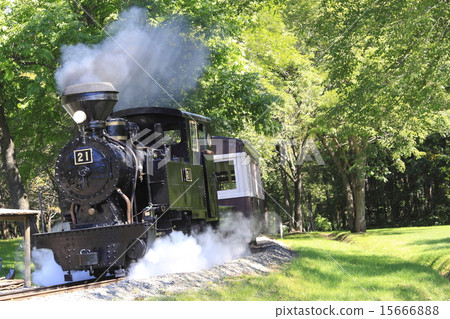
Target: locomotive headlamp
79	117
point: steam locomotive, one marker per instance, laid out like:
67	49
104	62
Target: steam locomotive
134	175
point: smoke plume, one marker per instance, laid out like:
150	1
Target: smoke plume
181	253
148	65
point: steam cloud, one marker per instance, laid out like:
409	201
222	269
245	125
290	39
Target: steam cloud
48	272
133	54
181	253
171	254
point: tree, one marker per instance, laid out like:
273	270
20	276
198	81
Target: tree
16	190
18	198
229	92
30	112
416	194
386	70
288	74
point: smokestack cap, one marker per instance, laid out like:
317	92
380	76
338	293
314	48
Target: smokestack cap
96	99
89	88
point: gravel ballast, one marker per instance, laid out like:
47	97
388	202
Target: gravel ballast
266	256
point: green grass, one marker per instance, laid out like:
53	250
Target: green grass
428	246
384	264
11	251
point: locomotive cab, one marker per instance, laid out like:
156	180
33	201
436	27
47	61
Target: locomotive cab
180	167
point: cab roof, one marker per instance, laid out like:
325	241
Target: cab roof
162	111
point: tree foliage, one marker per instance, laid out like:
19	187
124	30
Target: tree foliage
366	79
386	63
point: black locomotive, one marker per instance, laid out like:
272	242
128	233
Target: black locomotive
129	177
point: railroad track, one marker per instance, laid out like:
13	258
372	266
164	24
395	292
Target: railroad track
23	294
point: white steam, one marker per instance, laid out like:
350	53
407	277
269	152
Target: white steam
48	272
172	254
181	253
135	58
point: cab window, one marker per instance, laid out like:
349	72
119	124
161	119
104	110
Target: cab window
172	137
194	136
226	177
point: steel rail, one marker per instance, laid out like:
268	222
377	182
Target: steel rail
23	294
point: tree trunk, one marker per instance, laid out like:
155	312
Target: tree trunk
359	223
343	166
4	229
344	221
312	225
298	203
352	170
49	224
287	201
359	192
349	200
19	198
287	196
338	220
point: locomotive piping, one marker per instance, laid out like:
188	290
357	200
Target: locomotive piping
136	164
127	200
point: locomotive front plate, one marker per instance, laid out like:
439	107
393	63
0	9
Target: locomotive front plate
91	174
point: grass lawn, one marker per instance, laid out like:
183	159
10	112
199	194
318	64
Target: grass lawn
429	246
11	252
383	264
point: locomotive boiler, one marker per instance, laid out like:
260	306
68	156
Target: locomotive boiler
129	177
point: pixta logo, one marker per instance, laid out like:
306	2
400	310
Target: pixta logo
152	143
157	146
291	151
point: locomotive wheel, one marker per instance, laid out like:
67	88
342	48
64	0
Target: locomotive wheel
100	273
186	228
215	225
198	226
184	225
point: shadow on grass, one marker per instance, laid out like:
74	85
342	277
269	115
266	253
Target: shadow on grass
344	237
381	276
405	230
444	241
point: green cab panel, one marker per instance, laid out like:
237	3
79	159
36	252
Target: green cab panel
187	188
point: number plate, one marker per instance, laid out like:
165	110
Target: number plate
186	175
83	156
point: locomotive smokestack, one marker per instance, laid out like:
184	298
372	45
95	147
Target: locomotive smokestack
96	100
